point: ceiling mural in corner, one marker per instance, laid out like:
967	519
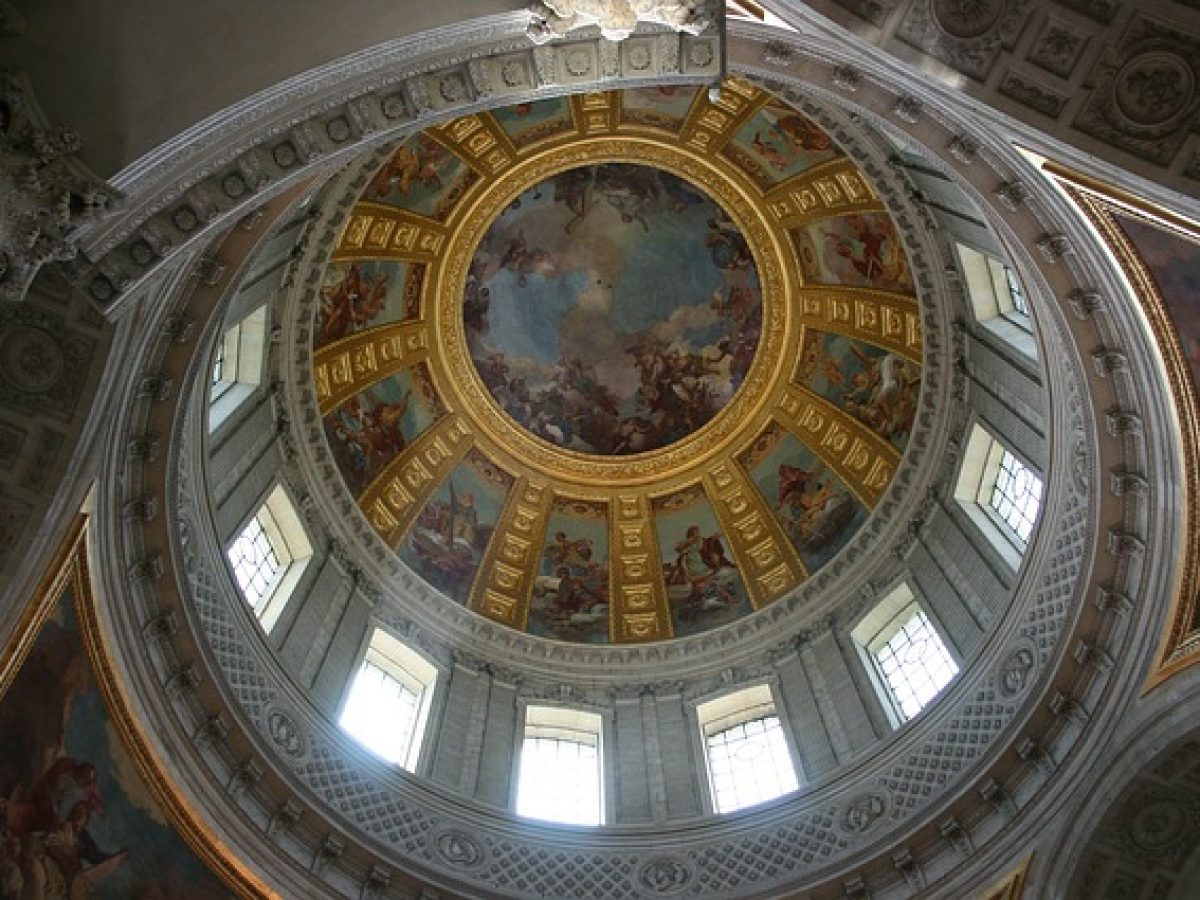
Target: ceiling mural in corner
618	367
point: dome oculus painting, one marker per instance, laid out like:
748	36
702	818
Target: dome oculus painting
613	309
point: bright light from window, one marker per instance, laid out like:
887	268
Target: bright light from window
560	778
1019	304
1016	496
749	764
255	560
387	705
914	662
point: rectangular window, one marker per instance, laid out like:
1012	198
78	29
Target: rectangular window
387	706
745	749
1016	496
1000	493
912	660
237	366
560	777
268	556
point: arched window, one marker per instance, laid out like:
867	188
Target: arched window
1000	492
387	705
237	366
910	661
560	777
268	557
745	749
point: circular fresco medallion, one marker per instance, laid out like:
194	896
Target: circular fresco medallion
612	309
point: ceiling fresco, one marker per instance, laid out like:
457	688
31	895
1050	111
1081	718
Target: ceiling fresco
618	367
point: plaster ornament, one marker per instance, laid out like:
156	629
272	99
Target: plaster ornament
46	195
617	18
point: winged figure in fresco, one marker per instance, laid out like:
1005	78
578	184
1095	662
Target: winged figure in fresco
884	394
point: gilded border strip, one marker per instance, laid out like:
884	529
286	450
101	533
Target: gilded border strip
1179	646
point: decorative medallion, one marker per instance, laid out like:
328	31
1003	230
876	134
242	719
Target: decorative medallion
665	875
458	848
1017	669
31	358
618	367
863	812
1153	88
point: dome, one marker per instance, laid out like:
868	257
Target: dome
650	388
731	461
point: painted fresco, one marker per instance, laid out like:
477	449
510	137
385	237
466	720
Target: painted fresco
1174	264
860	250
664	107
571	592
423	177
778	143
369	430
446	543
816	509
529	122
704	587
76	820
877	387
613	309
359	295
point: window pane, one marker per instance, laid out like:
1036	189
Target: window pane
915	664
749	764
256	563
560	779
382	713
1014	291
1016	496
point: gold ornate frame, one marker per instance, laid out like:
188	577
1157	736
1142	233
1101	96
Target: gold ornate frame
1180	644
69	568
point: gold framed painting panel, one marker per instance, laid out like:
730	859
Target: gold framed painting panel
1104	206
69	572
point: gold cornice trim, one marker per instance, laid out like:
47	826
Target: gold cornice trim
41	604
1179	646
512	445
884	318
767	560
504	583
863	460
1010	886
392	501
348	366
638	610
379	231
832	188
479	141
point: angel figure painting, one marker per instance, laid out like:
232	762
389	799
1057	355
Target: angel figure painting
570	594
76	820
816	509
613	309
862	250
360	295
446	544
704	585
422	176
877	387
370	429
783	141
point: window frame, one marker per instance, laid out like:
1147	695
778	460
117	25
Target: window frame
605	759
993	303
280	522
242	351
876	630
977	478
406	665
722	711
